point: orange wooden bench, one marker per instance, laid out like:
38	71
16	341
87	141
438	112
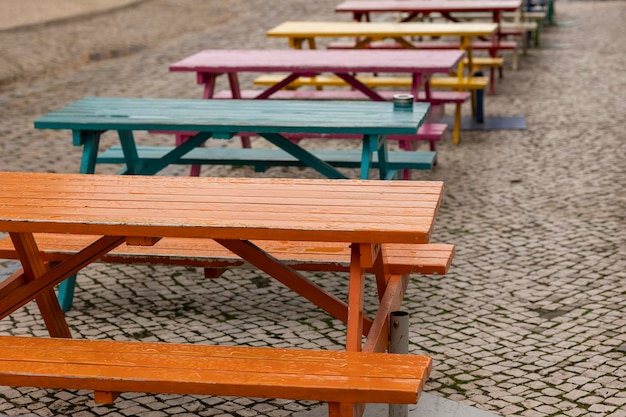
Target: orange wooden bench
112	367
403	259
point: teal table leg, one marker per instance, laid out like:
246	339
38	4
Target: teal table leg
170	158
90	140
66	293
303	155
550	13
383	157
370	143
127	141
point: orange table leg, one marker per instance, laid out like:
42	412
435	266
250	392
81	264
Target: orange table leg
378	336
355	299
37	280
292	279
34	267
391	289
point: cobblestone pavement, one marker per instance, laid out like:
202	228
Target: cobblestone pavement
20	14
531	320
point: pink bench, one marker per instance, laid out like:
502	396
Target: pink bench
436	99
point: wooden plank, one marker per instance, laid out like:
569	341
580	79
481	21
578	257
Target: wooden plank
189	353
317	214
426	132
305	29
309	256
501	45
295	281
464	83
34	268
12	298
378	336
196	369
356	287
388	81
317	60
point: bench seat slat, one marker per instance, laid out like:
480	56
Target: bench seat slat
330	376
262	159
502	45
465	83
315	256
468	83
213	358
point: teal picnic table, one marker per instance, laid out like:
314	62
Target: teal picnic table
89	118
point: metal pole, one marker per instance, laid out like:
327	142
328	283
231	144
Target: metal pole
399	343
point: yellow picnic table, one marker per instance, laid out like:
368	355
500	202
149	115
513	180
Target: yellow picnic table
367	33
298	32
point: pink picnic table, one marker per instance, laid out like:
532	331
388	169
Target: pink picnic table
209	64
361	9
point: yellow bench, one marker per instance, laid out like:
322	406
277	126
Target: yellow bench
465	83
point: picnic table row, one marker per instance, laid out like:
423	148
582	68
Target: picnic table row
58	224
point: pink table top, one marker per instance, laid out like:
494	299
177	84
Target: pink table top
428	6
320	60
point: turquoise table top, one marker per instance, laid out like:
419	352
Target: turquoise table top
232	116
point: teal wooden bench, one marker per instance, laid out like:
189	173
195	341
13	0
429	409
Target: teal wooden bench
89	118
263	159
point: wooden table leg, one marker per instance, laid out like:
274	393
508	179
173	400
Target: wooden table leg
34	267
358	85
37	280
292	279
362	257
